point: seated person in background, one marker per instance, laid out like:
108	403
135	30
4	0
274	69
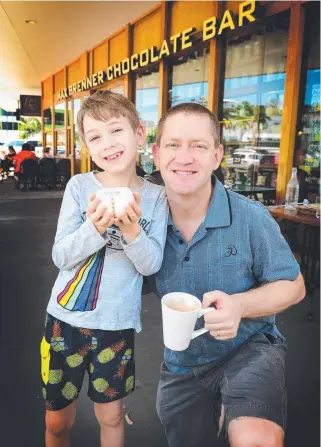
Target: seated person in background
26	152
12	153
46	152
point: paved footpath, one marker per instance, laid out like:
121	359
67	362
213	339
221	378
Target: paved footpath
27	228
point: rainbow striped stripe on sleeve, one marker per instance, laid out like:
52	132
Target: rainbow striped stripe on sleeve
81	292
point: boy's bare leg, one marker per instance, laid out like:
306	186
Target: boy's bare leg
110	419
59	425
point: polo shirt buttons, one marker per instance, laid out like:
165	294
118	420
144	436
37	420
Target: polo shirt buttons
186	258
181	241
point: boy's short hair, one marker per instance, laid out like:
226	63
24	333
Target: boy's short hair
104	105
190	108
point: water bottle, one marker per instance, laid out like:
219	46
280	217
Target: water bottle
292	192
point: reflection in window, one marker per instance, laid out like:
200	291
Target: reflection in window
49	140
119	89
190	78
307	155
253	105
147	91
47	118
77	147
61	143
69	114
60	115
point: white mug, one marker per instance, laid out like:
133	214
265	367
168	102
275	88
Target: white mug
115	199
180	312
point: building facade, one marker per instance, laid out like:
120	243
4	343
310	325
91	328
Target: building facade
255	64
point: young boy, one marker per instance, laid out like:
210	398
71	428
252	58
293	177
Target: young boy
95	303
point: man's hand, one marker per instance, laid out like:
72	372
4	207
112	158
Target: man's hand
127	221
99	216
223	323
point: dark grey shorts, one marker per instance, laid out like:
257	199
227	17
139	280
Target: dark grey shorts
248	383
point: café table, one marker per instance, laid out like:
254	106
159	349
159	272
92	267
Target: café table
253	191
309	248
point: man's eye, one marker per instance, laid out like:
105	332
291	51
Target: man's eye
200	146
171	145
116	130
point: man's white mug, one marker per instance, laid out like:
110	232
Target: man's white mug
180	312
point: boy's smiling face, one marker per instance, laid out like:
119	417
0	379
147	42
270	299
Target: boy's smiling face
112	144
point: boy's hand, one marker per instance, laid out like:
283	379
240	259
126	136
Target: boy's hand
100	217
127	221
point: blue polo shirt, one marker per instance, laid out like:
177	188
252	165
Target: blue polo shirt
238	246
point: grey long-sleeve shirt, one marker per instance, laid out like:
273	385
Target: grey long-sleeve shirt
100	279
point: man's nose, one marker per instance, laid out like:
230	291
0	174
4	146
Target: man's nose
184	155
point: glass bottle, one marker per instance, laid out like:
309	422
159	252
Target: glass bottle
292	192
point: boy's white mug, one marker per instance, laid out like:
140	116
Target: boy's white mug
180	312
115	199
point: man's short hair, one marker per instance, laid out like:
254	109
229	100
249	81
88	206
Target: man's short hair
104	105
26	147
46	150
190	108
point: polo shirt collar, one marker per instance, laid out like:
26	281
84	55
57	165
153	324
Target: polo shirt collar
219	212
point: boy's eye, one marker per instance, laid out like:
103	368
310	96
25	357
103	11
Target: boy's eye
116	130
93	139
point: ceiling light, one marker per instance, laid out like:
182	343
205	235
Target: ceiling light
31	22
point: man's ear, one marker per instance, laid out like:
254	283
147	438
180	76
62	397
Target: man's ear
218	155
155	149
140	135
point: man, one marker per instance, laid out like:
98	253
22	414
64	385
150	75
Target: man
227	251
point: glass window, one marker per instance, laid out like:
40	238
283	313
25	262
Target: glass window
69	114
61	143
190	78
77	146
119	89
47	118
253	105
307	155
48	140
147	92
60	115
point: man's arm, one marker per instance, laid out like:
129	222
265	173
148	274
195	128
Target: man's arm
271	298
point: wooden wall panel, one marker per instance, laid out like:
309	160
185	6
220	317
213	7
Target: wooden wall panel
118	47
74	72
83	65
47	99
100	57
291	99
233	6
190	14
147	32
59	81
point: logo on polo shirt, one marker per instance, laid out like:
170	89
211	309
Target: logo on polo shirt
231	251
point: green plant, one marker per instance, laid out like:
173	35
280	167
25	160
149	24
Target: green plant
29	127
151	136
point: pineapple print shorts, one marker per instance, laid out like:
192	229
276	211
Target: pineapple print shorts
67	352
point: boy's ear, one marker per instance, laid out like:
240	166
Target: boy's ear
140	135
155	150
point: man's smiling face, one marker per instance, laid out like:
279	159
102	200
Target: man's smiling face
187	154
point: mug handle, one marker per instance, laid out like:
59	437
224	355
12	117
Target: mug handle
202	331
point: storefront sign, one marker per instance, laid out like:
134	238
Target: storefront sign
212	27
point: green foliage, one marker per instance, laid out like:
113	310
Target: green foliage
151	136
29	127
